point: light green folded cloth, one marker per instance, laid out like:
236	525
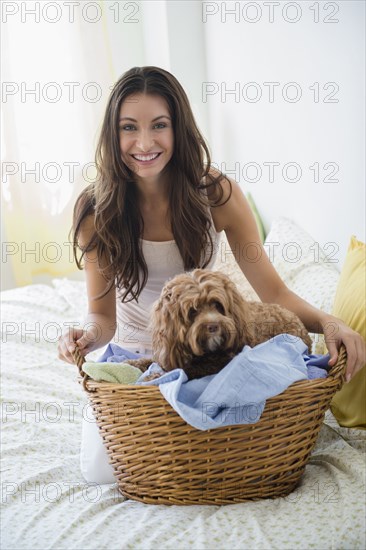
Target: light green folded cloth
120	373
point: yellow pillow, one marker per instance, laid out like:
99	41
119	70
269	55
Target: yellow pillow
349	404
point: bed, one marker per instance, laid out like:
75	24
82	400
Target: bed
46	503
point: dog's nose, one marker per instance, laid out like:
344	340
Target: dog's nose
212	328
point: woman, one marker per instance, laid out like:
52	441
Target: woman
156	210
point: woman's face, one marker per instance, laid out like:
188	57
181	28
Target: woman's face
146	134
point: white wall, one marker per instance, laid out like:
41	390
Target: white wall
226	52
305	132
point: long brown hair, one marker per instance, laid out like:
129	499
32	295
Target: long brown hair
112	198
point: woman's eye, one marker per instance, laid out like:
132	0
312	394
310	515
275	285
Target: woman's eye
126	127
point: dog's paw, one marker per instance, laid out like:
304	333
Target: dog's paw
153	376
142	364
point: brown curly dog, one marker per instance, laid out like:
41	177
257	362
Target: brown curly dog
201	321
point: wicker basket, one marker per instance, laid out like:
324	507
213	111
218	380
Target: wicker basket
159	459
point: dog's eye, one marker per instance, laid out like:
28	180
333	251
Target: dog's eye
219	307
192	313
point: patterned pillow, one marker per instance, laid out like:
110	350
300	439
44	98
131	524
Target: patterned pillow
303	266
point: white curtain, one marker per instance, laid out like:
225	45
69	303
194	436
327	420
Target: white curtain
59	63
55	83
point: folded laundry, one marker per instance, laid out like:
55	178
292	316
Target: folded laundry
115	354
110	366
316	372
317	360
238	393
118	373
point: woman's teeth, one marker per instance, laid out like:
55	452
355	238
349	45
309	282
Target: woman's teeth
146	158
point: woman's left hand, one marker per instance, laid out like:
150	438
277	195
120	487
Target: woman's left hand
336	332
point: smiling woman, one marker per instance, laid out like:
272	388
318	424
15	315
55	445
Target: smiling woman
157	209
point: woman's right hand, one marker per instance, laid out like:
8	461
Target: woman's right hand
85	340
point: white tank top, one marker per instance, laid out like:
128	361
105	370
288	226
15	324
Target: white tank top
163	262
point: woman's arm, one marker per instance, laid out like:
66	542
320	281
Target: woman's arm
237	220
99	325
101	317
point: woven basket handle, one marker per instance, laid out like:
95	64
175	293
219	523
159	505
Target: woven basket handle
79	361
338	371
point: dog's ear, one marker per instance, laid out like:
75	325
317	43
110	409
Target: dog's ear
168	348
165	296
239	312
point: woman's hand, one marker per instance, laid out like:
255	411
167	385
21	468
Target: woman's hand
86	340
336	332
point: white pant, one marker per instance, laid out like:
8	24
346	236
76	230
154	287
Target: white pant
94	460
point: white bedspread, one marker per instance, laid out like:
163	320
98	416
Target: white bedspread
47	504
